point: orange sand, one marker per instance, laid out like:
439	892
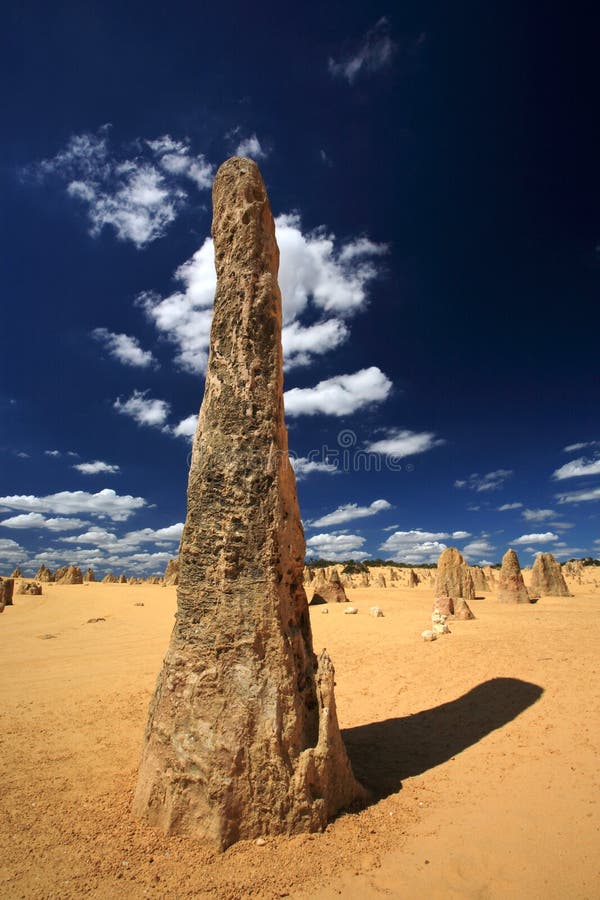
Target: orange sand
481	749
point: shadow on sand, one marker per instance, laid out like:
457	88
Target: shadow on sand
383	753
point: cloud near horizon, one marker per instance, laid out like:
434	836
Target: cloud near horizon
350	511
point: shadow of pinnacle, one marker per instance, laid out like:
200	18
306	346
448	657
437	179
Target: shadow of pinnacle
383	753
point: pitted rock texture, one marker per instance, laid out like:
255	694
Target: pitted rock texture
89	575
7	586
547	578
44	574
242	739
453	576
68	575
511	587
328	590
171	575
480	582
30	587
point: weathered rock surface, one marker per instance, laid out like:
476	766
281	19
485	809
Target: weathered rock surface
44	574
171	576
68	575
453	576
547	578
242	739
17	573
480	582
110	578
327	590
7	586
89	575
452	608
511	587
413	579
30	587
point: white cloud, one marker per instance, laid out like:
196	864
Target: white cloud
416	547
108	540
537	515
477	548
577	468
579	496
144	410
124	348
336	546
22	455
187	427
400	443
507	506
315	272
374	52
97	467
492	481
37	520
302	343
138	197
573	448
11	552
55	453
340	395
251	146
303	466
545	538
107	503
349	511
460	535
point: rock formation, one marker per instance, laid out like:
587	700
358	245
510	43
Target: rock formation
68	575
7	586
413	579
122	579
547	578
328	590
89	575
109	578
171	575
30	587
17	573
511	587
381	581
453	576
480	582
242	739
450	608
44	574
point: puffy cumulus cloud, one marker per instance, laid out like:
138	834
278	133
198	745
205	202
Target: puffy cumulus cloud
492	481
537	515
186	427
374	51
477	549
350	511
144	410
317	274
546	537
252	147
303	467
105	503
400	443
37	520
97	467
124	348
336	546
416	546
340	395
302	343
54	453
11	552
137	196
582	496
577	468
108	540
507	506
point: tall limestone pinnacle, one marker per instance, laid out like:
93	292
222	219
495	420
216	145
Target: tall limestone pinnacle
242	738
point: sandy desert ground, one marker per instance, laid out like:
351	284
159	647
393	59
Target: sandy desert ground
481	751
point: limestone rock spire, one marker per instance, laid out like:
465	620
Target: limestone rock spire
242	738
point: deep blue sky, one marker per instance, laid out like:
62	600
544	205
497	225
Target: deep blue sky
459	139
